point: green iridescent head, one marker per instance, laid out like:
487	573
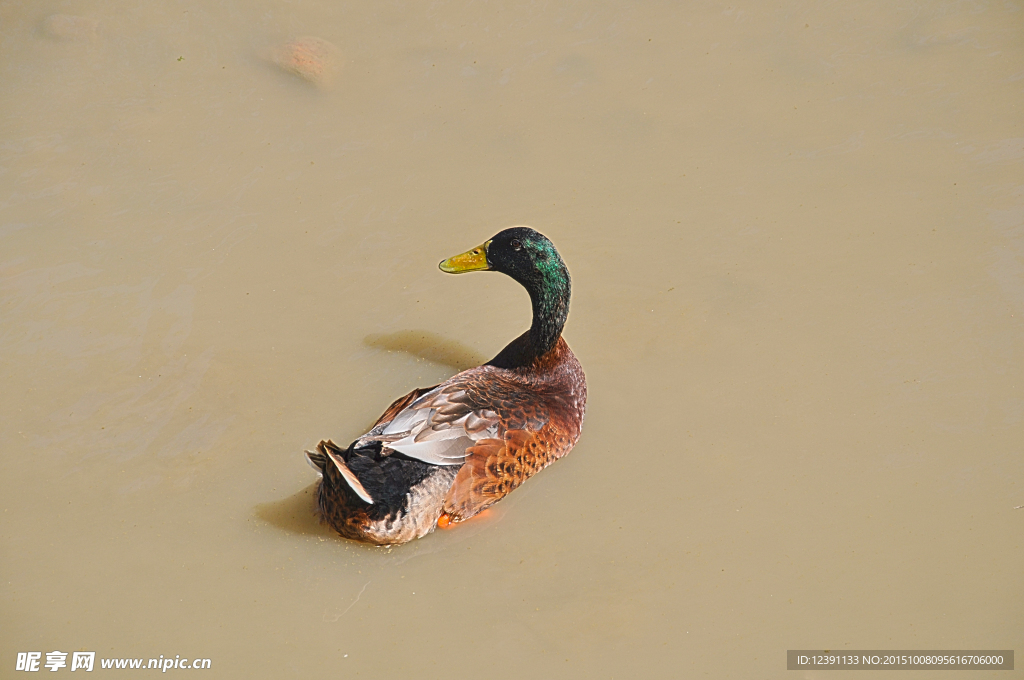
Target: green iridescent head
530	258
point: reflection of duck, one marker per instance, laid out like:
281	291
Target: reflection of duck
442	454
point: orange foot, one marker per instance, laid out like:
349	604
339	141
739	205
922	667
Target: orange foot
445	521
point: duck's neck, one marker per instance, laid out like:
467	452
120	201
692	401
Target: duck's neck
549	293
550	309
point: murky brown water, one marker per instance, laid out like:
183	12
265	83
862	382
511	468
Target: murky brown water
797	239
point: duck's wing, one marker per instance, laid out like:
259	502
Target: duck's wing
398	405
494	467
535	430
440	426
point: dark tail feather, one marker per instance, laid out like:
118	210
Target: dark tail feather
317	461
329	451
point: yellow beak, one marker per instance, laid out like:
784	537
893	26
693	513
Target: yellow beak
470	261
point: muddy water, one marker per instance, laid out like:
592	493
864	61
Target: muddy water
797	240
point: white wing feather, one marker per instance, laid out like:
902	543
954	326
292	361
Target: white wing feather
437	428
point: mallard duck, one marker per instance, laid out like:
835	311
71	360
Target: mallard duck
439	455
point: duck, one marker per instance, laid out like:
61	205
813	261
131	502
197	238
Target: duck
442	454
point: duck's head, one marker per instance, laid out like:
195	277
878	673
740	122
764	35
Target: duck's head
530	258
526	255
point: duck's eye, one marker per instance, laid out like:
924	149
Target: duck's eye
516	245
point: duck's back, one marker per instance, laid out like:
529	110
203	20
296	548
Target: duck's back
450	451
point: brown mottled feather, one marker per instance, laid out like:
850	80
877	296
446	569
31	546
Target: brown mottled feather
540	418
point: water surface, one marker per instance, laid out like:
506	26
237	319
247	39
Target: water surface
796	235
